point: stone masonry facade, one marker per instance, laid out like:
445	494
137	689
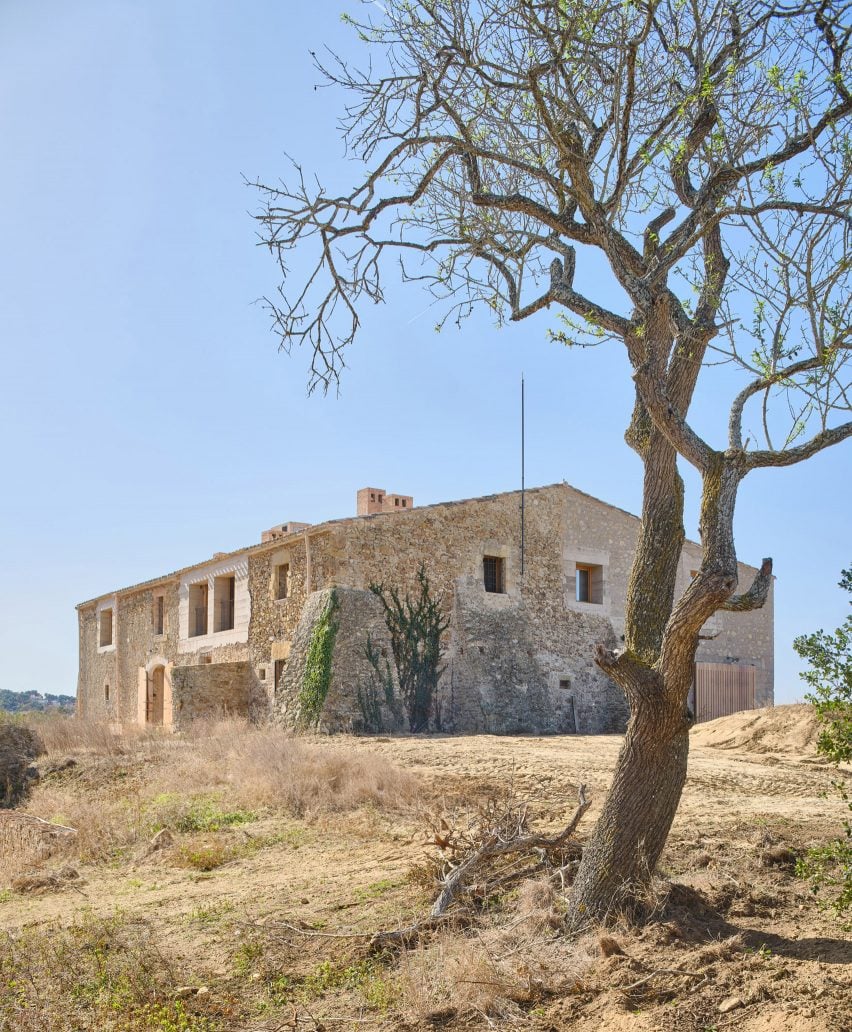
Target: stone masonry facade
232	635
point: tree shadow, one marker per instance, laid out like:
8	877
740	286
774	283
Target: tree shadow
698	921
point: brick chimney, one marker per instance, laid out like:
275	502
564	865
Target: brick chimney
371	500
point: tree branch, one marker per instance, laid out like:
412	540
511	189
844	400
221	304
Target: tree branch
790	456
756	595
670	421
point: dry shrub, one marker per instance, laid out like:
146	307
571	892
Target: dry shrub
107	821
65	735
499	967
267	767
124	790
19	745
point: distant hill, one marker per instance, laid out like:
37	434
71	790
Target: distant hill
21	702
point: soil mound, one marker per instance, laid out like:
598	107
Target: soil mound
791	730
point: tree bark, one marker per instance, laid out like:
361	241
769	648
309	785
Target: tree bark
636	817
651	769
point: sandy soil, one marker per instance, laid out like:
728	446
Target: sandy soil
786	964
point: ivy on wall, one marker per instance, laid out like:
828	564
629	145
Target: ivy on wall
317	676
416	624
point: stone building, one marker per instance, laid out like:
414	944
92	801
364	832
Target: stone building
235	633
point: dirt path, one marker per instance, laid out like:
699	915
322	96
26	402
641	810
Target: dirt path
790	966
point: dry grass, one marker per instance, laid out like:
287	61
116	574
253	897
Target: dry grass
96	974
65	736
502	967
121	790
271	768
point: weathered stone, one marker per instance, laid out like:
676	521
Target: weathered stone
516	660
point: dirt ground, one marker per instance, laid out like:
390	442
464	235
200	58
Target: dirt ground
736	940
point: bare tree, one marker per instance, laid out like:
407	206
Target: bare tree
699	152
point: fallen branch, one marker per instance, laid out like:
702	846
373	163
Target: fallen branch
492	845
660	971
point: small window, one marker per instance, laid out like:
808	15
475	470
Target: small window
106	692
589	583
159	614
197	609
564	684
206	659
493	572
105	633
380	498
224	590
282	581
372	496
262	673
404	503
279	670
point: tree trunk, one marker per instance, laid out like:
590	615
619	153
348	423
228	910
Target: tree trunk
636	817
651	770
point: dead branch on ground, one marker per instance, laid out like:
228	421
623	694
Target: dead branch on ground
476	853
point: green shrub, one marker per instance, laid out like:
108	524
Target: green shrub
829	868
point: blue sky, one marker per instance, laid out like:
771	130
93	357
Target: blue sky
147	419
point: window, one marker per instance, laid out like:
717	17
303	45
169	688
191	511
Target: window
224	589
279	670
282	581
372	496
106	692
404	502
493	572
262	673
105	631
564	683
159	614
197	609
396	502
589	583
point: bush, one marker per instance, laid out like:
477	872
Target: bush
19	746
829	867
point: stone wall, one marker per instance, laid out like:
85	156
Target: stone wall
506	654
97	670
214	690
518	660
358	615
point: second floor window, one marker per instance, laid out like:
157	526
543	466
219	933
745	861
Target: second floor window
282	581
224	591
197	609
589	583
105	635
493	570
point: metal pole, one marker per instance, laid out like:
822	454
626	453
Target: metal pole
522	475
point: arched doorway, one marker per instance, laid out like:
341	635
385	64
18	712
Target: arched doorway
156	695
